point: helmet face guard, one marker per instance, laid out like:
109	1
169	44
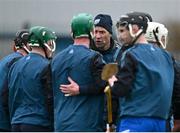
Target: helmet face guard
52	45
130	19
157	33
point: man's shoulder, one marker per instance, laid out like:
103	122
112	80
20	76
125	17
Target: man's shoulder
11	56
10	59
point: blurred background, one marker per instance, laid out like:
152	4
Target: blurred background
57	15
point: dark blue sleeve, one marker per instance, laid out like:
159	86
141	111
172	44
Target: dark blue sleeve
46	80
125	76
96	65
5	91
176	91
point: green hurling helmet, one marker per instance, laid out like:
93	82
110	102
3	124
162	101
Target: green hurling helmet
39	36
82	25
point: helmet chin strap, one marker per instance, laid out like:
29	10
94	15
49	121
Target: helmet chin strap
92	35
26	49
136	35
92	42
163	45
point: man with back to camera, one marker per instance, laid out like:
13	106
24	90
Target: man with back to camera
76	110
20	49
29	82
157	34
109	48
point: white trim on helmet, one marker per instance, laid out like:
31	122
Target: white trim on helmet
46	45
34	44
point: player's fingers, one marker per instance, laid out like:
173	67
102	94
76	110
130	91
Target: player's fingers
70	80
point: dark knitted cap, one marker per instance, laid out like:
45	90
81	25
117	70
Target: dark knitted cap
105	21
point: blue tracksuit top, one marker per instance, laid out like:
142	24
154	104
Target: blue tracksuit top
110	55
5	65
152	86
27	102
80	112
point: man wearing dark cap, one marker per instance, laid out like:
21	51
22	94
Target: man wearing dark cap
104	42
109	48
20	50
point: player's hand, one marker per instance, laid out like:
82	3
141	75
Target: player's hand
112	80
70	89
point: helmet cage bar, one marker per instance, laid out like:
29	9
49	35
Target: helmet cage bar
123	24
49	48
24	34
22	47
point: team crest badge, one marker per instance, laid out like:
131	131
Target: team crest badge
96	21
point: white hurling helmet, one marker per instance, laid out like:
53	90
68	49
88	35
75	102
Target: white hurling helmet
157	33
